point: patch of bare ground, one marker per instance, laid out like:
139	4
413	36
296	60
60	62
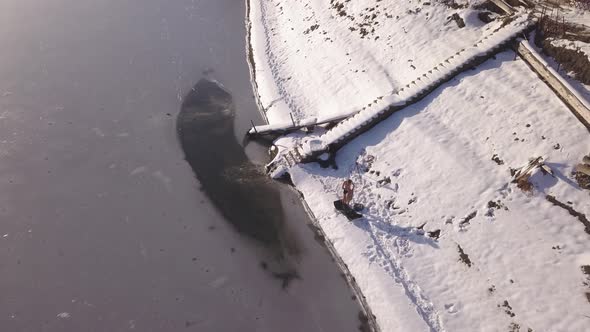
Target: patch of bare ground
583	180
434	234
525	186
581	217
485	17
507	308
522	175
454	4
515	327
468	218
573	60
586	271
553	27
491	289
458	19
488	6
365	22
495	205
497	159
463	257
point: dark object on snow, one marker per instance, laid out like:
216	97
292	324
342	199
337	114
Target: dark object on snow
582	173
463	257
468	218
346	210
581	217
485	17
434	234
384	181
455	17
583	180
497	159
358	207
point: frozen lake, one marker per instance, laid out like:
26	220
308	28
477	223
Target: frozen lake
103	224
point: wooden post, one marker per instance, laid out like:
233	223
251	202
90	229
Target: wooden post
583	168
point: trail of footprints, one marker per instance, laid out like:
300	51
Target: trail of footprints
390	242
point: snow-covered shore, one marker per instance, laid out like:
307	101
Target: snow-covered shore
315	58
497	258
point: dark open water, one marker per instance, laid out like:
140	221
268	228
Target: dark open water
103	224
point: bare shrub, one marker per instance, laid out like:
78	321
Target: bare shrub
552	27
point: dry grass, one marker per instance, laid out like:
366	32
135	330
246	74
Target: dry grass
583	180
572	60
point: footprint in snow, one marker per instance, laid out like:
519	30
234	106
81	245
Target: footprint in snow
451	308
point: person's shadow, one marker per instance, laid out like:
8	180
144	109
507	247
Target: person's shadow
371	223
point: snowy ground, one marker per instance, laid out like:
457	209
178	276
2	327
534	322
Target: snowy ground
350	51
438	155
504	259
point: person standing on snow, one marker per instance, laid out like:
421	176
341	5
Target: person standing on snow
348	188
